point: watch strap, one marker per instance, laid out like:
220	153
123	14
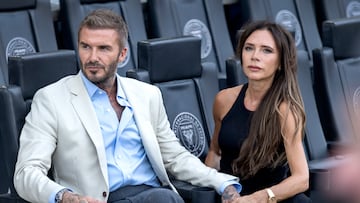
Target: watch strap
59	195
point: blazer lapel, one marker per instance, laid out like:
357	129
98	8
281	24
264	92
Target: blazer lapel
84	108
146	131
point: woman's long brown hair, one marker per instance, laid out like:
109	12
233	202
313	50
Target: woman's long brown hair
264	144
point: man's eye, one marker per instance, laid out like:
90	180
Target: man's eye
84	46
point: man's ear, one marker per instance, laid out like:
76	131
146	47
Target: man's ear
123	54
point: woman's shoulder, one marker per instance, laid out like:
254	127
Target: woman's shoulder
225	99
229	95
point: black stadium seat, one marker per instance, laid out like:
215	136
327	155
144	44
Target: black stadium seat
202	18
13	111
26	27
187	85
73	11
188	89
337	73
298	16
334	9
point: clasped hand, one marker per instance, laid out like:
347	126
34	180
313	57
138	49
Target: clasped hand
231	195
70	197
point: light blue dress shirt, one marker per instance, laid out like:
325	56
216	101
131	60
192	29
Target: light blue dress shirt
126	157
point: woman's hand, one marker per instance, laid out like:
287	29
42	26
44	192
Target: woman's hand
257	197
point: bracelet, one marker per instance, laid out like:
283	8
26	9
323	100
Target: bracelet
271	195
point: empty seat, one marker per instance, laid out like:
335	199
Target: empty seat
188	89
72	13
337	73
27	27
298	16
334	9
202	18
12	118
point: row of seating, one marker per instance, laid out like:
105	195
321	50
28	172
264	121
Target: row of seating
153	19
192	74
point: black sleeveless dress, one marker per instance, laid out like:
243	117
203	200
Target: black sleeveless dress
233	132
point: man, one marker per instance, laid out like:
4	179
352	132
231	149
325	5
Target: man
107	138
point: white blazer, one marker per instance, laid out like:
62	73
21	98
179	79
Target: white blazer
62	131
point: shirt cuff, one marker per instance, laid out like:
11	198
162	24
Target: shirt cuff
237	186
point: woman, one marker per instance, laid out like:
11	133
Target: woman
259	125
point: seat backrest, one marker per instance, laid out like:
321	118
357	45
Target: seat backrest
334	9
13	111
188	87
297	16
337	73
4	79
202	18
73	11
27	27
315	142
234	73
34	71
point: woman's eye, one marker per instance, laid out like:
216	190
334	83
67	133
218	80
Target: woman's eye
267	51
248	48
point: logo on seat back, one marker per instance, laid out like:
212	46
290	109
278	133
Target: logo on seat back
289	21
19	46
353	9
197	28
190	132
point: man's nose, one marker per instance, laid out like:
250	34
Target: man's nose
93	56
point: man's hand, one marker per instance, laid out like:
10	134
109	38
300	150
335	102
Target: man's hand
70	197
230	195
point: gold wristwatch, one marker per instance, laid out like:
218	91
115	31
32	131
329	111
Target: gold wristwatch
271	195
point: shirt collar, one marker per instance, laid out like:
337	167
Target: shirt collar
92	89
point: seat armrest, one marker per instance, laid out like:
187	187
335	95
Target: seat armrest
195	194
138	74
11	198
320	171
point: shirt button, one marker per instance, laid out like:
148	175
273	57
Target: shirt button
104	194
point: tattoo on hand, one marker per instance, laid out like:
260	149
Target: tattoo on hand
227	196
71	198
229	193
